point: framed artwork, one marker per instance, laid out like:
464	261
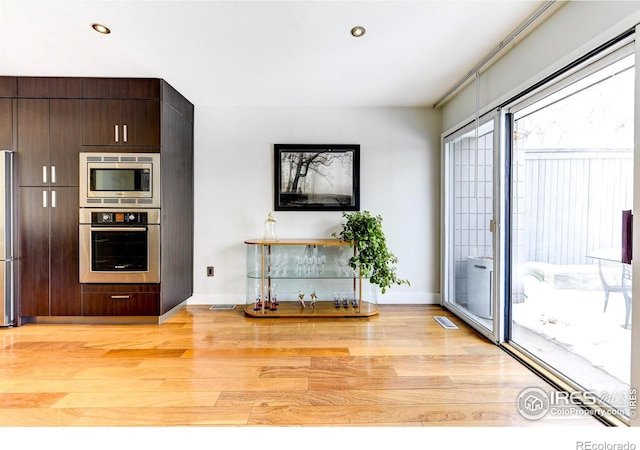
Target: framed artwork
316	177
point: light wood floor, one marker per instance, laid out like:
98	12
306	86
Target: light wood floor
204	367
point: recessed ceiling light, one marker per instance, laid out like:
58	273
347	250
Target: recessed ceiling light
358	31
100	28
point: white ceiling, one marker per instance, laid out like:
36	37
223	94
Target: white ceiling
255	53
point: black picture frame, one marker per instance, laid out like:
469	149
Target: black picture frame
316	177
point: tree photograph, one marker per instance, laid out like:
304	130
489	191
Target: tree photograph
323	178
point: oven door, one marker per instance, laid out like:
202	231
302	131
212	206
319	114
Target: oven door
119	254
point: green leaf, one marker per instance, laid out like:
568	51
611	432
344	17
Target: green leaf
375	261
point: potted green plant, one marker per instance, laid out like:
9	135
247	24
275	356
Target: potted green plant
372	257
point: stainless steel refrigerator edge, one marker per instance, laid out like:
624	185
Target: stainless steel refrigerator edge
7	304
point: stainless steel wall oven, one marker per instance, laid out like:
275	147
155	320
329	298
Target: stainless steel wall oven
119	245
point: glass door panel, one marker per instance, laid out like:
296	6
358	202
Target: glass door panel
571	179
469	204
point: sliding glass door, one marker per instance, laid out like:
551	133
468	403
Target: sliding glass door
469	263
571	177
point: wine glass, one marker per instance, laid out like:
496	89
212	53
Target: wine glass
258	297
274	297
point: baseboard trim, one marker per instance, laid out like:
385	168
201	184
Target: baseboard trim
103	320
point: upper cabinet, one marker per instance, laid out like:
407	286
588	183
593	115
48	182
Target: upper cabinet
6	123
49	141
121	122
8	89
49	87
33	142
121	112
66	142
123	88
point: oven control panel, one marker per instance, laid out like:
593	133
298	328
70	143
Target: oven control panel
119	218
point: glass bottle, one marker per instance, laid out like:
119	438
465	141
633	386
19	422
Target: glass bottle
270	229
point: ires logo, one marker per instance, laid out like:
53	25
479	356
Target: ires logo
562	398
535	403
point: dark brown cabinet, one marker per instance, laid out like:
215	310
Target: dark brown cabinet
177	202
121	300
9	87
8	92
49	87
121	122
49	121
33	142
66	141
64	287
48	145
33	253
49	142
6	124
48	252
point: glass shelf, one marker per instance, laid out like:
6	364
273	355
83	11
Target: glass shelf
305	278
327	276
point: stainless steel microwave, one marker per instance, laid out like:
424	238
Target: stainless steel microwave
120	180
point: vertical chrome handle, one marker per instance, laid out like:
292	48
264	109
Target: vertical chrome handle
44	174
53	174
116	133
44	199
124	133
53	199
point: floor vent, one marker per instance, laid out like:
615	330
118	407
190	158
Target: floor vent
222	307
445	322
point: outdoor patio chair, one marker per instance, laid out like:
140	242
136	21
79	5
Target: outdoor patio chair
626	292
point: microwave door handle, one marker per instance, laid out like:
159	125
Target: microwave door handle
137	229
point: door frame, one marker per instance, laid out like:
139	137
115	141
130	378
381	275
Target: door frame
495	334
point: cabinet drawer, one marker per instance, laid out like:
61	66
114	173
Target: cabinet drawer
121	304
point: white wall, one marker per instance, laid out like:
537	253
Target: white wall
399	176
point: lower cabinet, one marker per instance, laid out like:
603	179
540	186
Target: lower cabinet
48	282
120	299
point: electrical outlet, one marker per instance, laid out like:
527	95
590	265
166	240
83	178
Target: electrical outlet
209	271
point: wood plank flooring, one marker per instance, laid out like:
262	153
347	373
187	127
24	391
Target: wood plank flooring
204	367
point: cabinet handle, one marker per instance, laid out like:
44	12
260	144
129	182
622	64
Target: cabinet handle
116	133
124	133
44	199
126	229
44	174
53	199
120	297
53	174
